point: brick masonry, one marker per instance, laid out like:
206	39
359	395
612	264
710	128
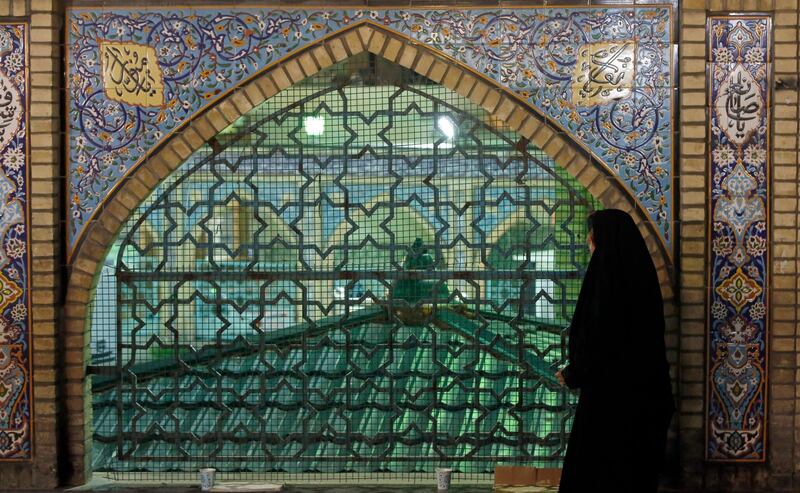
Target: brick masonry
60	340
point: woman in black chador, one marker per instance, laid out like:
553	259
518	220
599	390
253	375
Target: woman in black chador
617	359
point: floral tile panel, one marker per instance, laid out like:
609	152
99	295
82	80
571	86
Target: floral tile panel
739	125
16	422
602	75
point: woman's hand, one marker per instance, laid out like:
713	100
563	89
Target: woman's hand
560	377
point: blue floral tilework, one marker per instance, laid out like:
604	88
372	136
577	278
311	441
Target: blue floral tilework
620	110
15	330
739	49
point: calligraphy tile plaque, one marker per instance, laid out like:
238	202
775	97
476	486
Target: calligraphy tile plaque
16	418
604	72
204	53
131	74
739	128
739	102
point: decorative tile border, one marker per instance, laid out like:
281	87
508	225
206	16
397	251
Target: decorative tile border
739	68
603	75
16	424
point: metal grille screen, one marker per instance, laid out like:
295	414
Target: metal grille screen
366	275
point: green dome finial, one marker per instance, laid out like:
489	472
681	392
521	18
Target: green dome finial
419	293
418	257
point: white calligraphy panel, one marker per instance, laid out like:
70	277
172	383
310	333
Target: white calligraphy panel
739	105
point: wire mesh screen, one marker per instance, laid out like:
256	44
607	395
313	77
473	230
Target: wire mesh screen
365	275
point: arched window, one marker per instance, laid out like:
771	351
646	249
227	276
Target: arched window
347	279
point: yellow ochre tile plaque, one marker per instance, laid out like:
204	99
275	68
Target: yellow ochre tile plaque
604	72
131	73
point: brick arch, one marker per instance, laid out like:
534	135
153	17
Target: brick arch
499	102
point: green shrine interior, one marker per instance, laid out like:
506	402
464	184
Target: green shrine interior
365	274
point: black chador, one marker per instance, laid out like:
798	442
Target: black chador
617	360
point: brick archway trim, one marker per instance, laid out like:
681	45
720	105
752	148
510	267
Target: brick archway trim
501	103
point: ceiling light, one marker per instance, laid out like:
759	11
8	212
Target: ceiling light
446	126
314	125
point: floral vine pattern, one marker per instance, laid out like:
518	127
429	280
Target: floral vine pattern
15	337
117	112
739	50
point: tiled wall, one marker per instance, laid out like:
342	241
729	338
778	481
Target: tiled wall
739	131
15	338
502	104
783	444
43	168
782	440
601	75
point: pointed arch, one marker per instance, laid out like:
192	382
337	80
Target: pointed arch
501	103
